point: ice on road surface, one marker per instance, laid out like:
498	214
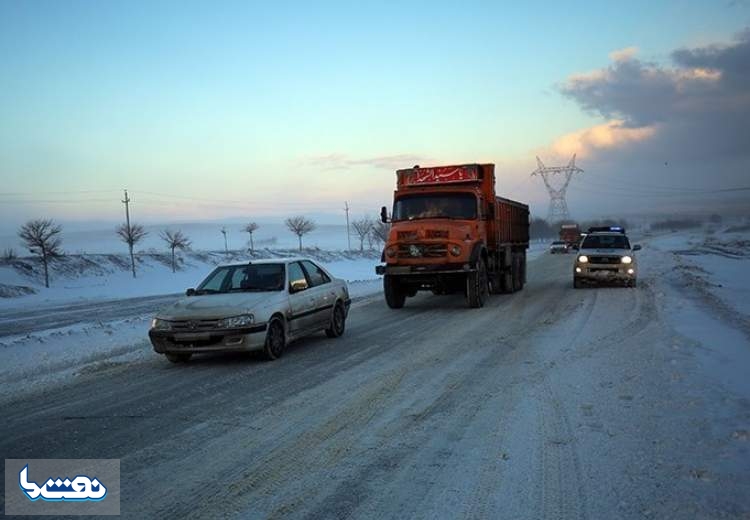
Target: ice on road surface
549	403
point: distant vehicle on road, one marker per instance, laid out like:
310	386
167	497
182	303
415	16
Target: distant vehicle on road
571	235
558	246
261	305
452	234
605	255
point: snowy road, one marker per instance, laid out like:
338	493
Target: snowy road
26	320
550	403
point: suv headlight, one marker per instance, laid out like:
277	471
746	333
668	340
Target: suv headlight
157	324
583	259
236	322
626	260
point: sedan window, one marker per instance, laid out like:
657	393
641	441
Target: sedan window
296	274
244	278
315	274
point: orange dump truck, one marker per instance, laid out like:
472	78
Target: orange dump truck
450	233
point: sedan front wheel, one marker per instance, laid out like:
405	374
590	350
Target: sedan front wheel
275	340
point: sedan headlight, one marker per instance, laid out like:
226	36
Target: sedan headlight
583	259
236	322
626	260
157	324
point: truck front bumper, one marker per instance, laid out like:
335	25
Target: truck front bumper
426	269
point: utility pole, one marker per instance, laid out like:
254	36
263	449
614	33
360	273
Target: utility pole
126	201
348	234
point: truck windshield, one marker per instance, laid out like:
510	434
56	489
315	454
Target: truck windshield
605	242
431	205
244	278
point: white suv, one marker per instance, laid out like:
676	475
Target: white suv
605	255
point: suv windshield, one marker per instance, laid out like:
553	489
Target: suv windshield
605	242
243	278
452	205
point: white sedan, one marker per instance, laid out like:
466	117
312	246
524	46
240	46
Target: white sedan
260	305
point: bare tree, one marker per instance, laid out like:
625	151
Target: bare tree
300	226
380	231
175	240
131	235
226	247
42	238
362	228
250	228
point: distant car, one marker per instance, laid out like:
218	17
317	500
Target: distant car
558	246
605	255
255	306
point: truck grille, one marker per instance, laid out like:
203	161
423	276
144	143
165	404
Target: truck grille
406	235
436	233
604	259
194	325
425	250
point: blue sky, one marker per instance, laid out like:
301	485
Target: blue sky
289	105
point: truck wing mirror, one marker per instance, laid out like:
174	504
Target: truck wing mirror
384	215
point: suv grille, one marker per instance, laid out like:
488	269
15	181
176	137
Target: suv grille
604	259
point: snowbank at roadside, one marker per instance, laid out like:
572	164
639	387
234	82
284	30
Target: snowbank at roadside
76	278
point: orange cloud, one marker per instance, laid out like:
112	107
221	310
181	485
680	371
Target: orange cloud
612	134
623	54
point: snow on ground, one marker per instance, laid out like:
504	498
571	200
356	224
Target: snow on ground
76	278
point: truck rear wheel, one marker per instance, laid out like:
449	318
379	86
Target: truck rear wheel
395	296
517	273
477	286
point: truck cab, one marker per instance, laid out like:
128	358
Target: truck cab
447	229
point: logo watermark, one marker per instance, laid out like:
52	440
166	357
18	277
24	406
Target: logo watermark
45	487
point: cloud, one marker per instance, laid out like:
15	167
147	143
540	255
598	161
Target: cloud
623	54
612	134
682	124
338	161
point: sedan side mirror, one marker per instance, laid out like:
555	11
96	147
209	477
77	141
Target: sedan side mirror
637	247
297	286
384	215
190	292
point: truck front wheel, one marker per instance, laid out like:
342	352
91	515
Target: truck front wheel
395	296
477	286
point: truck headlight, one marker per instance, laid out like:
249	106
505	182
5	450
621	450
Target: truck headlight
157	324
236	322
583	259
456	250
626	260
391	251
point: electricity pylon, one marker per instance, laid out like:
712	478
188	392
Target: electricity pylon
558	207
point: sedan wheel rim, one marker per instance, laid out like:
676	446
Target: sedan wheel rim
276	338
338	319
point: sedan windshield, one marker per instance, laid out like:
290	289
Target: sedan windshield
244	278
605	242
452	205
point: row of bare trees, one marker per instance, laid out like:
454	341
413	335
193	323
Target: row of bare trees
371	231
42	237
